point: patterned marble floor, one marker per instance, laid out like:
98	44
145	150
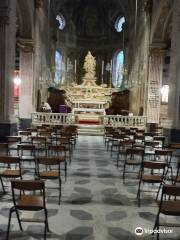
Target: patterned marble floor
95	204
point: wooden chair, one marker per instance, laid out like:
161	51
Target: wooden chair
27	153
13	141
168	207
40	144
134	157
152	176
10	167
49	168
124	145
60	152
165	155
28	202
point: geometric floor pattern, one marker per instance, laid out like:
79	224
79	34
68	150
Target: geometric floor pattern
95	205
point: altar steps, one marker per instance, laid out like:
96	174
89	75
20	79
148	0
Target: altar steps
90	130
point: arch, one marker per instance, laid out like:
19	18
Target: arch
161	19
25	16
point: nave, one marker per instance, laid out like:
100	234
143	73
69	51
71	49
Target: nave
95	204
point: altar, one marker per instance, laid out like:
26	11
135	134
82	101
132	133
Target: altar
88	101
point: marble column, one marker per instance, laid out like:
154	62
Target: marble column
26	98
173	122
7	62
154	82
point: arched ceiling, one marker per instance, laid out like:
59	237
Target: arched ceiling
94	17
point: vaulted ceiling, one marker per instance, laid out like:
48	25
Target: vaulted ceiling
94	17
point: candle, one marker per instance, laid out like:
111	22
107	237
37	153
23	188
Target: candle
102	72
75	65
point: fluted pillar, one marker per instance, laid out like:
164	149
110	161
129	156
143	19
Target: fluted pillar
7	63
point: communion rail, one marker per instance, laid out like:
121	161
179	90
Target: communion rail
52	118
124	121
106	120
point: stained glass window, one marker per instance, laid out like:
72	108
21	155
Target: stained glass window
119	24
58	68
61	20
118	69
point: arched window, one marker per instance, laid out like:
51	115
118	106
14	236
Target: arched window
58	68
119	24
118	69
61	20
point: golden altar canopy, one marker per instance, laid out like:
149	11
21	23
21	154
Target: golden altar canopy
88	94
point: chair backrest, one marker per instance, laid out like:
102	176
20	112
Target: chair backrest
57	150
14	139
153	165
30	148
171	190
9	160
48	161
27	185
163	154
135	151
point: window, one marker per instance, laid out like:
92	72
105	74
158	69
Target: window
164	93
62	22
118	69
58	68
119	24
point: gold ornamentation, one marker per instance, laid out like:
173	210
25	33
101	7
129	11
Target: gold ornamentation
89	66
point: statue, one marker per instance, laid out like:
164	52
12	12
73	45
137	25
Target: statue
89	66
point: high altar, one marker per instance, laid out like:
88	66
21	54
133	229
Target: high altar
88	100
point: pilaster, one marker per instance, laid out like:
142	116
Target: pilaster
157	51
7	62
174	82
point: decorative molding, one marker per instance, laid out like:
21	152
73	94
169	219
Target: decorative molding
38	3
25	44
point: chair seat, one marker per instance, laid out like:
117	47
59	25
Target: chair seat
133	162
28	202
11	173
171	208
49	174
151	178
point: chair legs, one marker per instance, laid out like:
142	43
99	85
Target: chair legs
46	227
139	194
59	190
156	226
9	221
2	185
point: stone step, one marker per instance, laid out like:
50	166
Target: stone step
91	130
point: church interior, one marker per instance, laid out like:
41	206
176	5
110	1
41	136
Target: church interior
89	119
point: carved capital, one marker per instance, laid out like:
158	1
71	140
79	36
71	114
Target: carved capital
4	16
38	3
159	48
25	44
